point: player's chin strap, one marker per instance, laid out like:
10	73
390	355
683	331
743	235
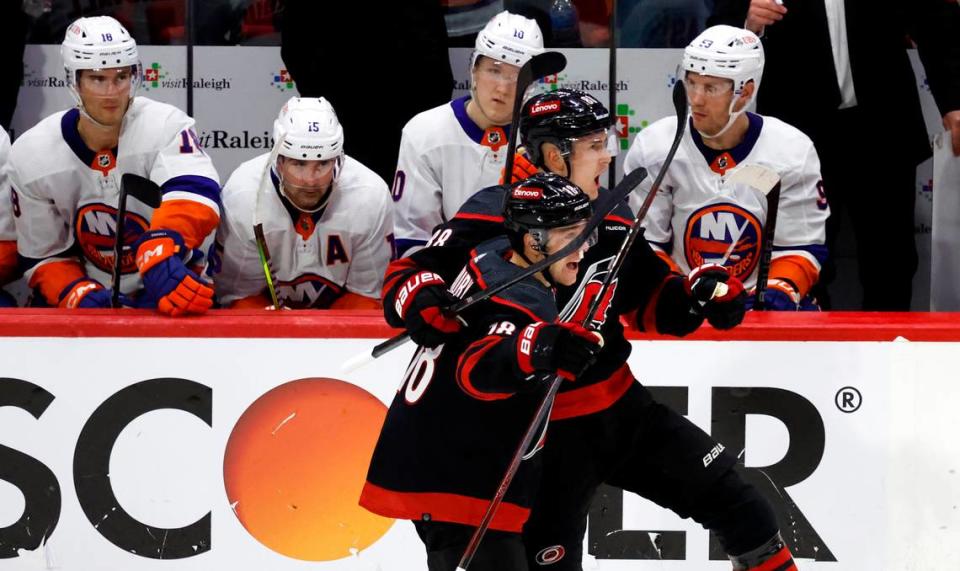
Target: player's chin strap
545	272
83	110
320	206
337	167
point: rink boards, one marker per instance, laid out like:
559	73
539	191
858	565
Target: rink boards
235	442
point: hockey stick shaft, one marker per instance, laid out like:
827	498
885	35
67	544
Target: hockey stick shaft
540	65
618	194
612	84
680	106
147	192
769	230
118	248
265	262
543	411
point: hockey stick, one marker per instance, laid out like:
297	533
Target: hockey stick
766	253
258	235
265	262
612	79
758	178
761	179
616	196
543	411
680	106
147	192
540	65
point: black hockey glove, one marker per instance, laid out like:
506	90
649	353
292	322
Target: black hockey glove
566	349
421	302
720	295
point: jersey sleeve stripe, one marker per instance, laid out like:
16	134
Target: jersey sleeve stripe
476	216
818	251
52	275
592	398
798	270
454	508
193	185
404	244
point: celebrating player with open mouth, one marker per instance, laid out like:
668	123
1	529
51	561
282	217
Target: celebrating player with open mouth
450	432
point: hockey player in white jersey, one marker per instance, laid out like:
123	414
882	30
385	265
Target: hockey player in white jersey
698	216
450	152
327	220
8	232
66	173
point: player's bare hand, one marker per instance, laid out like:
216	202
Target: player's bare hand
951	122
764	13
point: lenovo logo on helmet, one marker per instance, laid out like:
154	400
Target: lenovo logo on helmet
545	107
525	193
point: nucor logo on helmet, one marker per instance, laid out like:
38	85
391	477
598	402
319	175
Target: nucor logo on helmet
527	193
545	107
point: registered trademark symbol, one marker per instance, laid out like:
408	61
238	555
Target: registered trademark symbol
848	399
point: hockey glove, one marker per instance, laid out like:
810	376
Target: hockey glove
522	168
719	294
780	295
86	293
421	302
167	283
566	349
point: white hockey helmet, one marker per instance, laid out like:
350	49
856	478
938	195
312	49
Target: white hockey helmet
308	129
727	52
99	42
508	38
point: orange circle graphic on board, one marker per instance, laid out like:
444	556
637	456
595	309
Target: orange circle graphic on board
295	464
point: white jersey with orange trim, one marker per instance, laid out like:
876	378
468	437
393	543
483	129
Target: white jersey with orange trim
697	214
7	230
444	159
316	258
68	195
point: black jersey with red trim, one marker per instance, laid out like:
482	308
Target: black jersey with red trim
463	407
645	285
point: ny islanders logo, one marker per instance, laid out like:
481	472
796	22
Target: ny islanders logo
95	232
308	291
717	229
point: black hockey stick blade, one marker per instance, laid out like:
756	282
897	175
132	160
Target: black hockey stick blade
143	189
147	192
602	207
680	107
540	65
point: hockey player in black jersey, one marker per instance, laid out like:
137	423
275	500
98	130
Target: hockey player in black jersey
606	427
463	405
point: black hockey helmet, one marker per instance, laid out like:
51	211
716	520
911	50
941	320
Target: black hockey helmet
539	203
558	117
